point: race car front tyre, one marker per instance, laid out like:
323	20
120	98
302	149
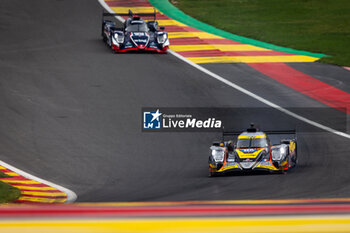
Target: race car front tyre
109	42
212	174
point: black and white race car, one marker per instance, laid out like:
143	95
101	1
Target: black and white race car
135	35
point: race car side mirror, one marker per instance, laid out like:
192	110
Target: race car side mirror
162	28
117	29
217	143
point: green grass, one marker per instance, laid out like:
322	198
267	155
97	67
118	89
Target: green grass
321	26
7	192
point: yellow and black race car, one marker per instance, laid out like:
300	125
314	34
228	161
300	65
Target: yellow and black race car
252	150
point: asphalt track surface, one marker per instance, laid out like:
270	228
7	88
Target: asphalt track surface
70	113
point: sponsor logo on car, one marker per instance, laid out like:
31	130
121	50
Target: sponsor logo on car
250	150
140	40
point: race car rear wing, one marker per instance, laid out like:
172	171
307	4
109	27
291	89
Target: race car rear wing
131	14
292	132
236	133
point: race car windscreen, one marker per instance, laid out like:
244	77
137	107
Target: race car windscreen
253	142
137	27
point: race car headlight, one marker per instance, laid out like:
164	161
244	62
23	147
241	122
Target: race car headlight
119	38
283	150
161	38
218	154
278	153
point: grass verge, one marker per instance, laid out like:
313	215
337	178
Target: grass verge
320	26
8	193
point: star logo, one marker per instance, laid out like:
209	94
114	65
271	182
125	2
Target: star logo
156	115
152	120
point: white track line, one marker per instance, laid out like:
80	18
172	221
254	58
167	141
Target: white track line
241	89
71	196
259	98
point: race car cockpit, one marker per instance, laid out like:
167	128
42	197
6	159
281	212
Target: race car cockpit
136	26
252	141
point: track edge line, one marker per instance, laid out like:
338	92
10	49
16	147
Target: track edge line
259	98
